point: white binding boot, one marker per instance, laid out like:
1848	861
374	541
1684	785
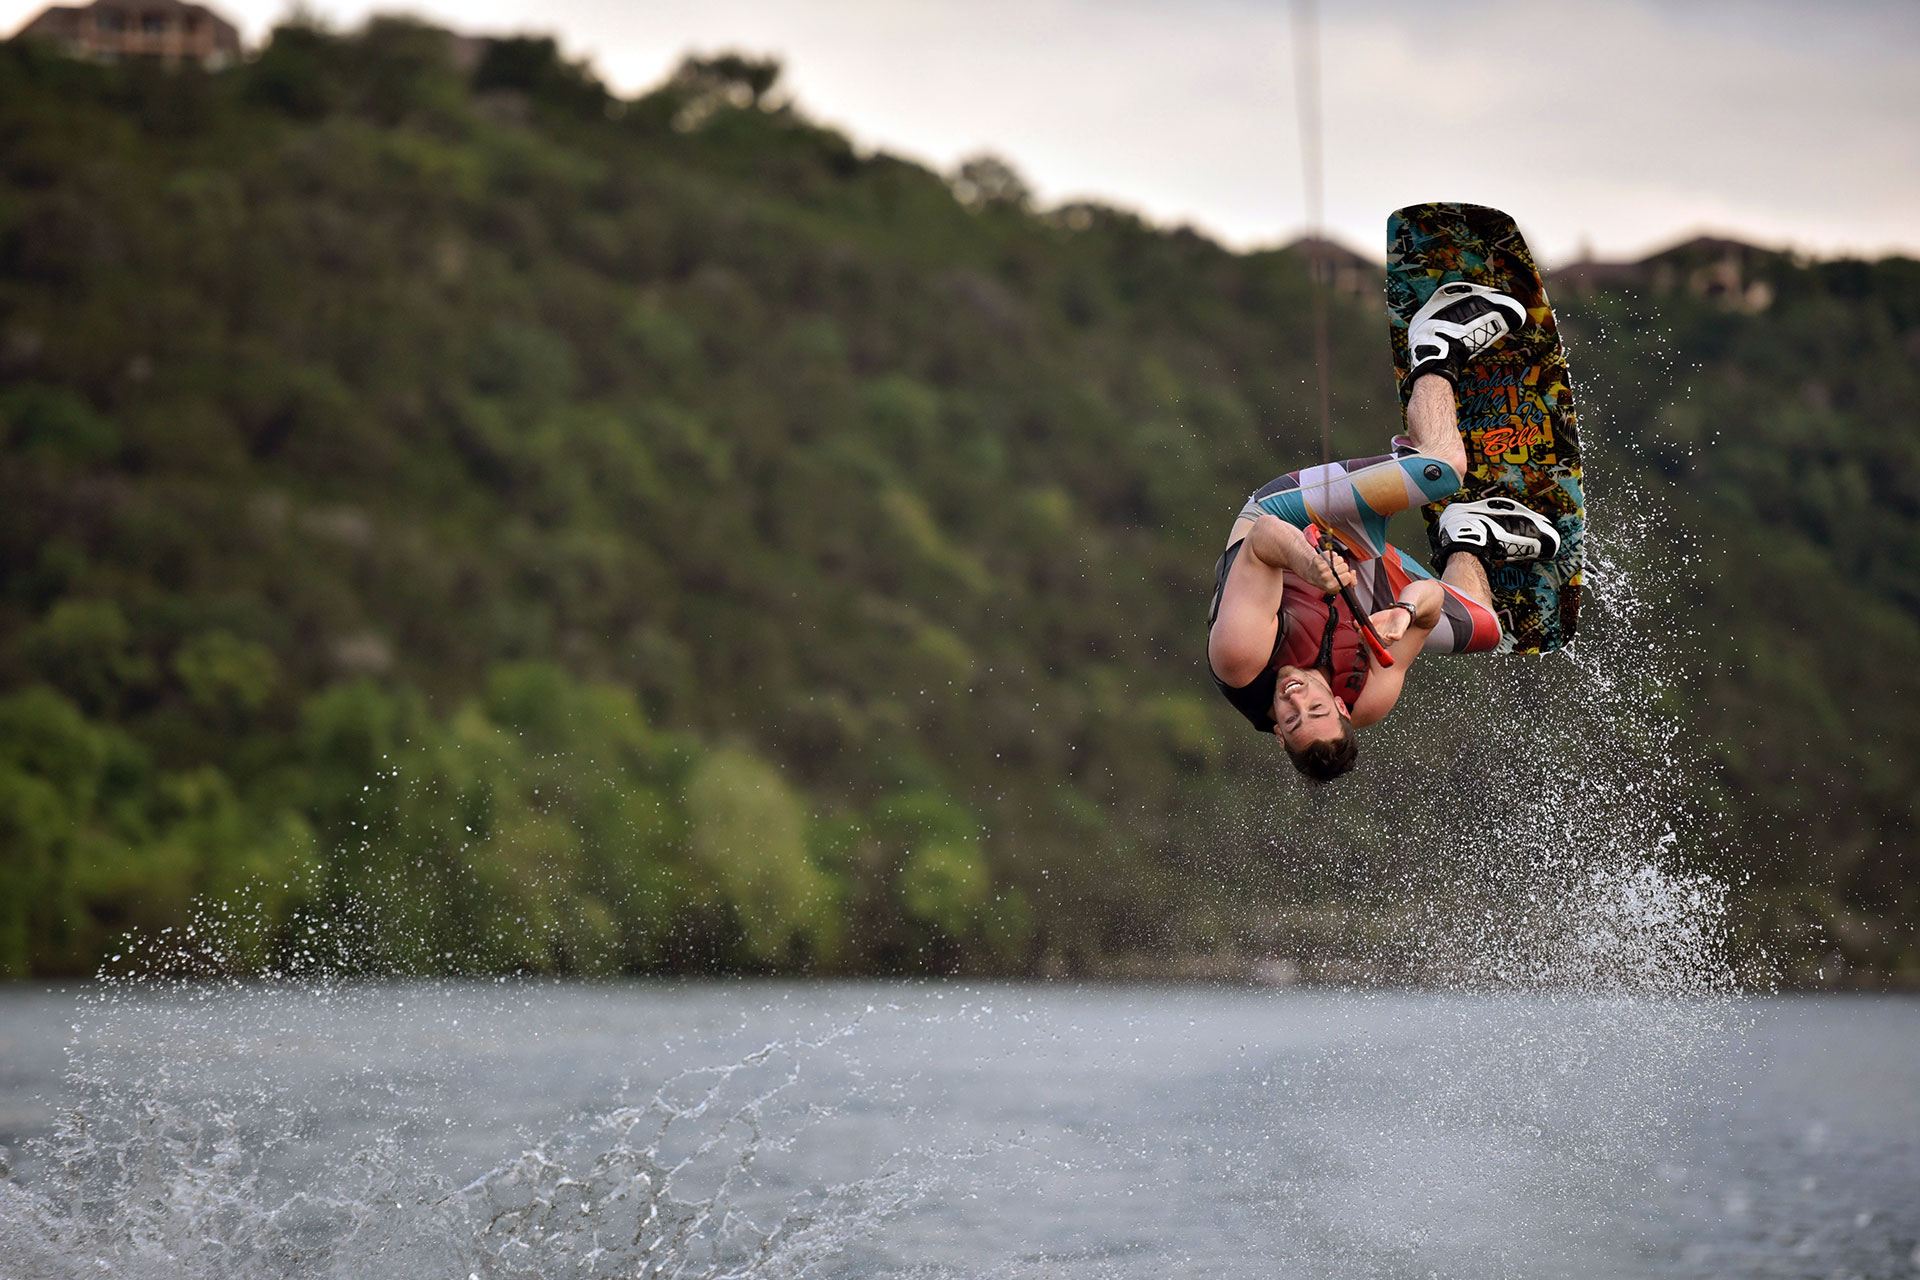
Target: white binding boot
1457	323
1498	530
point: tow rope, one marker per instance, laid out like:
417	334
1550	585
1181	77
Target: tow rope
1375	645
1306	65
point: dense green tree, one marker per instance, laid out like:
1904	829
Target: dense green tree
565	533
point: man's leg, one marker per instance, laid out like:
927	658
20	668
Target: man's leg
1468	576
1433	423
1356	498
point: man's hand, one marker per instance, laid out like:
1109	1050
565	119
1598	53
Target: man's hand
1391	623
1425	597
1315	569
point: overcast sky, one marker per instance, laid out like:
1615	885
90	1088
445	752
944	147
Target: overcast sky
1620	124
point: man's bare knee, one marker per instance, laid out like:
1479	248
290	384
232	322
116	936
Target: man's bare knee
1269	541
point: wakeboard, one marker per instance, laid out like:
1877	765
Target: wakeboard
1515	404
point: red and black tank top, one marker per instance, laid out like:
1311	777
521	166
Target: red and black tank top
1321	631
1314	632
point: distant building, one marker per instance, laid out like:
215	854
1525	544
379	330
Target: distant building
171	31
1728	273
1725	272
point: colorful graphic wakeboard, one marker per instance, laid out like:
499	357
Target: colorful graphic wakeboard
1515	404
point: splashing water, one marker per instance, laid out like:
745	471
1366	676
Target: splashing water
1566	812
203	1142
1548	849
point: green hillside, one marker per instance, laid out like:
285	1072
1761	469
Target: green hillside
522	529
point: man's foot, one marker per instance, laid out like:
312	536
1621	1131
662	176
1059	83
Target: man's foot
1457	323
1498	531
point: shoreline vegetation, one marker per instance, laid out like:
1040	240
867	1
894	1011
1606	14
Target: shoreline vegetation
483	525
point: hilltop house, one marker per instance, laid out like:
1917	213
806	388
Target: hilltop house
1728	273
108	30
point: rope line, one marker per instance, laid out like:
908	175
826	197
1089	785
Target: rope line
1306	78
1306	65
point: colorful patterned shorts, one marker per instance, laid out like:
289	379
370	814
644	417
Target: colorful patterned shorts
1355	500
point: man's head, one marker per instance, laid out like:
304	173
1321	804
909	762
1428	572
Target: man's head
1312	725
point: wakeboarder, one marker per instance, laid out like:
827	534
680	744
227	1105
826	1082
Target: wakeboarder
1308	571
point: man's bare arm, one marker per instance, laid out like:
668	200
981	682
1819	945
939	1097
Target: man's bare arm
1242	638
1286	547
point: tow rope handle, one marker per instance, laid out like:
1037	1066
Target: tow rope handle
1375	645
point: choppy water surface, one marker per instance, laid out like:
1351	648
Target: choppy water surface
948	1130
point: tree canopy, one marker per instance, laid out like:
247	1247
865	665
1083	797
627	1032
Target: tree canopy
598	535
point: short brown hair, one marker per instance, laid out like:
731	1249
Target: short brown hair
1327	759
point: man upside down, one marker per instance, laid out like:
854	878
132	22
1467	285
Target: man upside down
1283	644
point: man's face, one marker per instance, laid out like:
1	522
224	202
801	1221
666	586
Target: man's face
1305	710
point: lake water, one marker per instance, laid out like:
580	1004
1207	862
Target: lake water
939	1129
